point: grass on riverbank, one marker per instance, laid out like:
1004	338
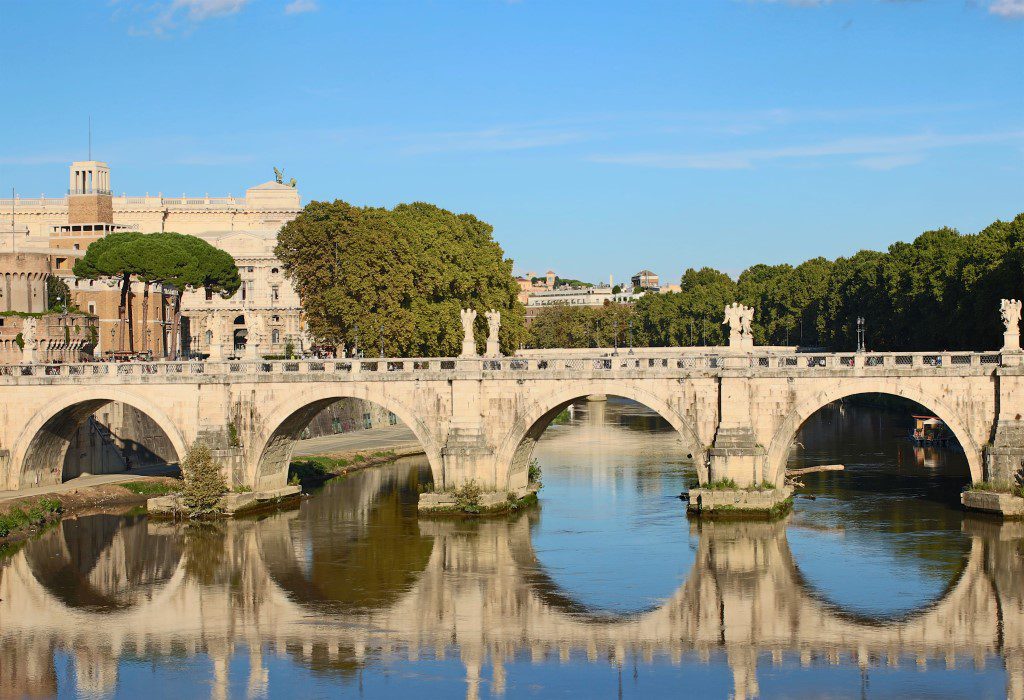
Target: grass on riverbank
315	470
38	514
997	488
730	485
152	488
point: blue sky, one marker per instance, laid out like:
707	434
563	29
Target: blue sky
597	137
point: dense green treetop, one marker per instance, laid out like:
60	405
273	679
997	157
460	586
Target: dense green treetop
399	276
940	291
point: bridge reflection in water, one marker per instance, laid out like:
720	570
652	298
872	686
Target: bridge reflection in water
352	581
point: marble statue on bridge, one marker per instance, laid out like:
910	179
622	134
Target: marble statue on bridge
30	343
468	317
493	326
1010	311
739	318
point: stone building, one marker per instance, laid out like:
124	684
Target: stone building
645	279
28	333
246	227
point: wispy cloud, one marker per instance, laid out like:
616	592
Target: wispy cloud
1013	9
166	16
890	162
499	138
298	7
880	152
35	159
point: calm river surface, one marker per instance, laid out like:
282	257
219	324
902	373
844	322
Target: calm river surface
878	586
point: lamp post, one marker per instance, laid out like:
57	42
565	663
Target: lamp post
355	350
381	335
860	334
615	340
630	335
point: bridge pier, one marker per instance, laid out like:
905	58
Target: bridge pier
737	466
1004	456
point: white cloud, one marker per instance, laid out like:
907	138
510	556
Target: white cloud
1007	8
199	10
168	15
298	7
879	152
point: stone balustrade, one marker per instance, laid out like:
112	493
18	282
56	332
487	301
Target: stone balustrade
947	363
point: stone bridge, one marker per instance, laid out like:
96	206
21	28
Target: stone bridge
736	412
99	590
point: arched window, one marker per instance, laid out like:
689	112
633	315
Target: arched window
275	337
240	320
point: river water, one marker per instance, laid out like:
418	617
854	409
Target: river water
876	585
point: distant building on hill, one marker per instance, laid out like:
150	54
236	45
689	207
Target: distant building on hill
645	279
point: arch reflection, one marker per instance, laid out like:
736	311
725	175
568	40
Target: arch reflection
469	595
357	546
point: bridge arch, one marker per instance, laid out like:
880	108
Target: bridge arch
516	449
782	440
286	421
38	455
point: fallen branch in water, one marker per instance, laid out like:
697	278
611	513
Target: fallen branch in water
819	468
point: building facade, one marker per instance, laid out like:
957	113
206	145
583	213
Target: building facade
266	305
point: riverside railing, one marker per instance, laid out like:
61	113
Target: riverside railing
669	364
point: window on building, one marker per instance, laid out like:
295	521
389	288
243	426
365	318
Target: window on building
243	287
92	307
275	293
77	247
275	319
275	337
209	294
273	270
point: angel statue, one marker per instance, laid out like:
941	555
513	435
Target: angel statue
468	317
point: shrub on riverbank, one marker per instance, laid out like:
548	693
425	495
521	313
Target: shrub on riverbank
203	482
1016	490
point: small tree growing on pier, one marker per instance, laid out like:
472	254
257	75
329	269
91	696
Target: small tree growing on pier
204	483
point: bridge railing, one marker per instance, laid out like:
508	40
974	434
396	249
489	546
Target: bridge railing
875	359
538	365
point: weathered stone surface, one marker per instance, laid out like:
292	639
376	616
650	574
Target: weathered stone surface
230	503
490	500
479	418
1004	504
739	501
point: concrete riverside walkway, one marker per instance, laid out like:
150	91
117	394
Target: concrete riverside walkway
88	480
392	437
389	438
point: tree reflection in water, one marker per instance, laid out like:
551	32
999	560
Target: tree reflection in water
355	588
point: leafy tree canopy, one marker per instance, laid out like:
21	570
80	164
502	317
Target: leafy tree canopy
940	291
398	277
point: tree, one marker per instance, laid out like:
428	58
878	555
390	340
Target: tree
185	262
397	278
109	258
203	482
58	294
